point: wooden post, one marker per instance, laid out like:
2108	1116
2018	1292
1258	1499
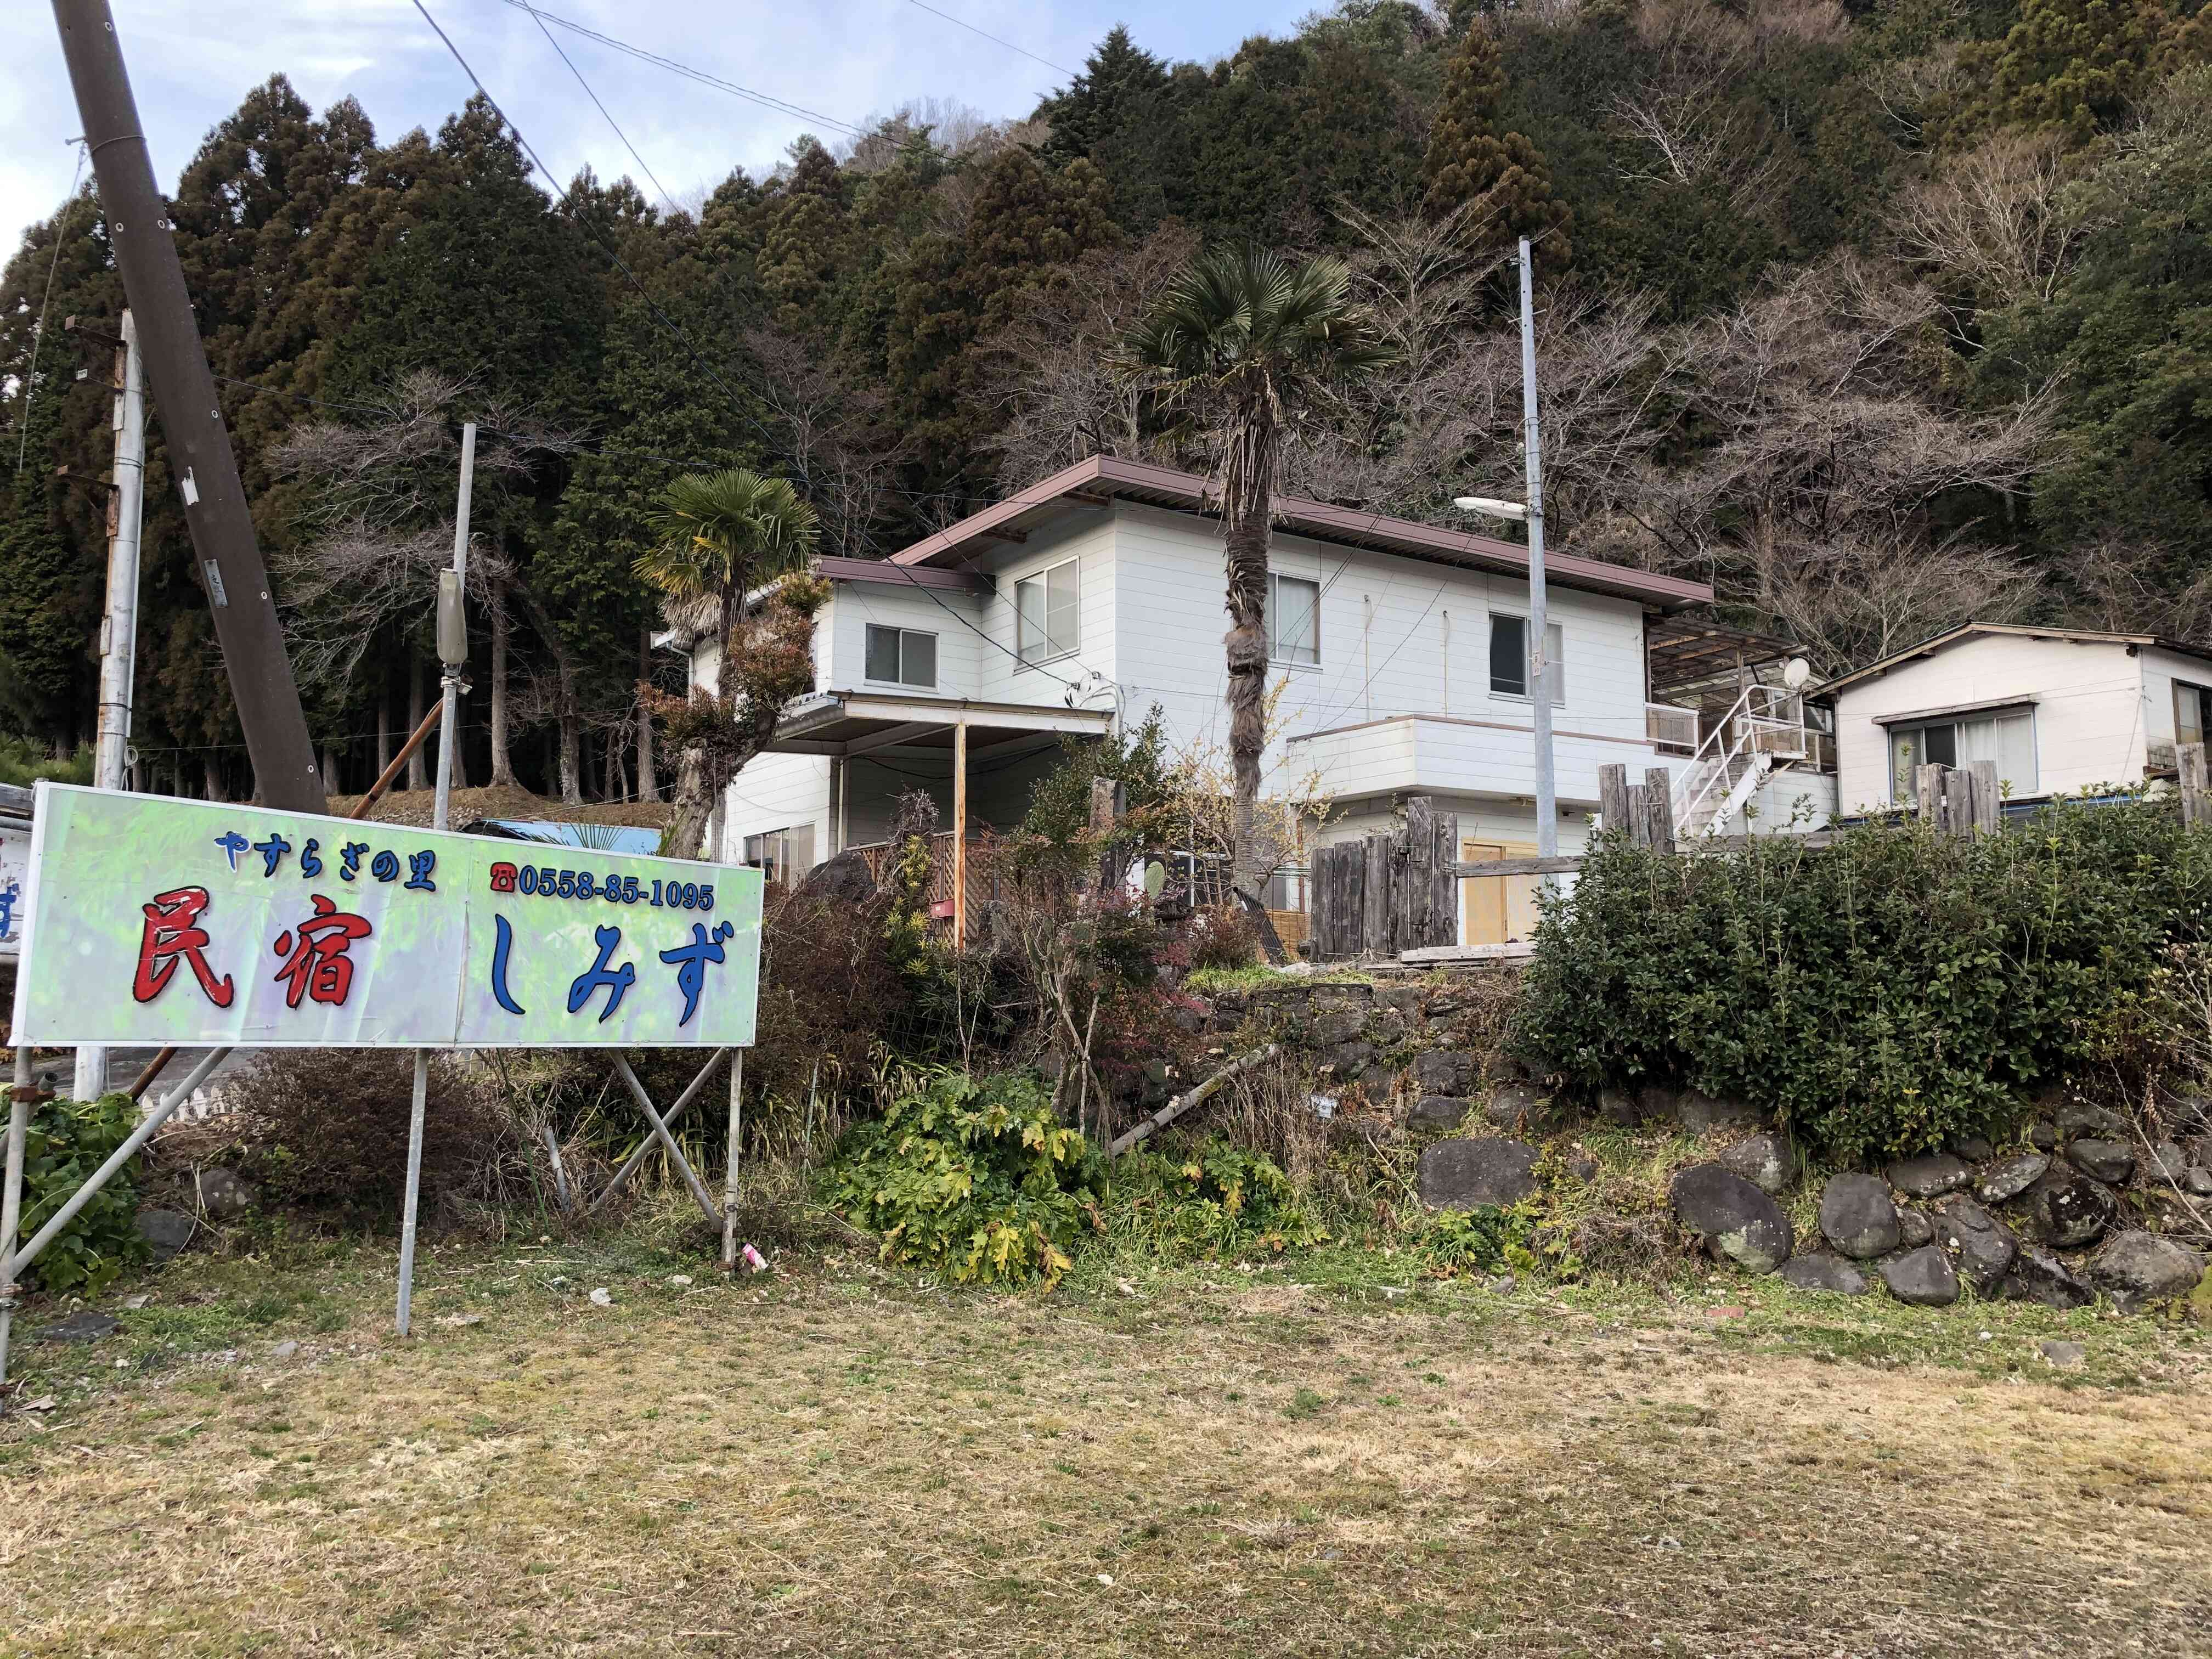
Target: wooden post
1613	799
2189	760
1659	809
1375	932
1443	883
1958	802
1317	874
960	835
1987	800
1928	794
1410	905
1635	816
1106	799
730	1177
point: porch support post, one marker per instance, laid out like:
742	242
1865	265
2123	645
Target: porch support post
960	835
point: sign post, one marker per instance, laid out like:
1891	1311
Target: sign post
157	921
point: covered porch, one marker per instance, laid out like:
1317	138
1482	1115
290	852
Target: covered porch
978	761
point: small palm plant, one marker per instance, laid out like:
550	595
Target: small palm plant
1251	343
723	535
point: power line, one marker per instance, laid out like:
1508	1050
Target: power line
995	39
39	333
538	17
765	100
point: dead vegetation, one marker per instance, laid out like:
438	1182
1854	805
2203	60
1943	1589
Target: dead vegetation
842	1464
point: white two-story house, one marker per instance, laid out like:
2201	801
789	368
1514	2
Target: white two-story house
2059	711
1096	595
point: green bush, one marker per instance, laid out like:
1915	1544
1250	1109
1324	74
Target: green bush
67	1140
972	1178
1216	1200
1884	994
24	763
1488	1239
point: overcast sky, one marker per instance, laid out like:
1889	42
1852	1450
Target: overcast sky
191	60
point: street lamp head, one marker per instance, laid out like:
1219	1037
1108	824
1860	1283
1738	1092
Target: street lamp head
1482	504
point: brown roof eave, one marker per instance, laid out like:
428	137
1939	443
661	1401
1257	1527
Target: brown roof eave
1141	481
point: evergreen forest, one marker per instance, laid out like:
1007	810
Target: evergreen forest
1877	316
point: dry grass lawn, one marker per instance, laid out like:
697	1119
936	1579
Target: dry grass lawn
1290	1461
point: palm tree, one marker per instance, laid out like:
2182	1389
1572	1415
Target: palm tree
1252	343
722	534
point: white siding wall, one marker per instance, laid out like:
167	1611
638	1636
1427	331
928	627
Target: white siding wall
2092	719
840	651
2161	669
777	792
1398	637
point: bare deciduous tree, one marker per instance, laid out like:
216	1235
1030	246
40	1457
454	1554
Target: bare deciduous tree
840	441
1990	220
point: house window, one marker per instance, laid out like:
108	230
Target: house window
902	656
1508	658
2008	739
2192	712
1046	614
782	855
1293	619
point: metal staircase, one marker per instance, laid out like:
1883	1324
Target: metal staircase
1763	731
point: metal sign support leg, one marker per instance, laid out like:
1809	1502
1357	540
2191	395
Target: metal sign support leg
645	1147
12	1265
11	1199
660	1129
730	1182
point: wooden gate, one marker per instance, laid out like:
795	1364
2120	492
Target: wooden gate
1389	891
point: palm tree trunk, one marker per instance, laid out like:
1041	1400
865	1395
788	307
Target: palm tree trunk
502	763
694	805
1246	644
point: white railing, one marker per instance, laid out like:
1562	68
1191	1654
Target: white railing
1671	727
1765	725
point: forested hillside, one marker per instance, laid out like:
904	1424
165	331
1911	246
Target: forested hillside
1878	317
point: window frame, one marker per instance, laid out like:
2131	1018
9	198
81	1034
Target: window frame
1555	635
904	634
2203	696
1040	579
1275	652
1900	789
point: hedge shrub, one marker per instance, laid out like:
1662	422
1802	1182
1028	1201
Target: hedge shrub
1885	995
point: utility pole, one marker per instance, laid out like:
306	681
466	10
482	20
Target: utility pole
119	629
191	420
453	653
1540	688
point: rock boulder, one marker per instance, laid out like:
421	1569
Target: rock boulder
2069	1210
1982	1245
2010	1179
1466	1175
2112	1162
1736	1219
2134	1267
1931	1176
1765	1159
1443	1072
1436	1112
166	1231
1922	1276
1701	1113
1859	1217
1823	1272
2037	1275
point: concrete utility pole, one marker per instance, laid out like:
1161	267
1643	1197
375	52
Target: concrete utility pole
191	420
119	629
1540	687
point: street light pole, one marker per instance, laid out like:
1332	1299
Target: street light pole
1540	688
1531	512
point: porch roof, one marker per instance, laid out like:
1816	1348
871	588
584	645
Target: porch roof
847	724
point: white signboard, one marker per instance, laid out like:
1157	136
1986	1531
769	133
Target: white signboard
152	920
15	882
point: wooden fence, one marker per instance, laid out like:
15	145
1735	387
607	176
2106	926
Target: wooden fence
1388	893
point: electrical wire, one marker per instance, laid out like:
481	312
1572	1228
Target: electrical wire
766	100
538	17
39	333
995	39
